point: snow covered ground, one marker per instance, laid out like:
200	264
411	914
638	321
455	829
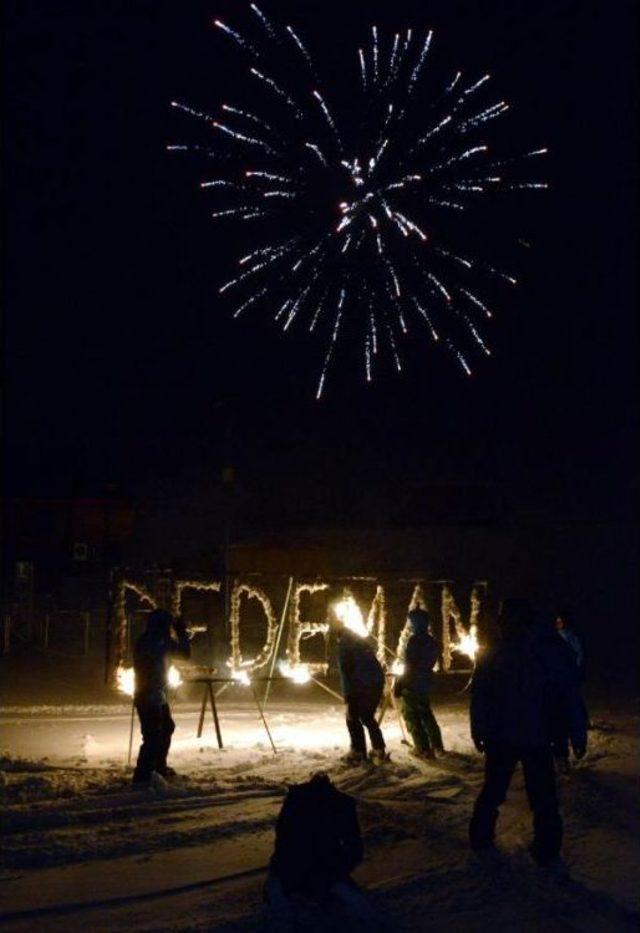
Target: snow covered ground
80	849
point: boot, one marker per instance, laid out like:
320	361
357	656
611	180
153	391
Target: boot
354	758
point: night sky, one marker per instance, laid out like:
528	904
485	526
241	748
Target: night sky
125	367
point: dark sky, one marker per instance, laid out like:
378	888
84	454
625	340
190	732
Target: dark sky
123	363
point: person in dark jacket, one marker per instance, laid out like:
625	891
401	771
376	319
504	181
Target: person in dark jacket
362	679
414	685
318	845
519	687
318	840
150	662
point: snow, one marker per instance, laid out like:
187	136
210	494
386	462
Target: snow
76	836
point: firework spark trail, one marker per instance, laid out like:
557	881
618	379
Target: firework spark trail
318	96
450	205
476	301
334	337
489	114
267	250
415	74
250	301
294	307
266	22
316	149
298	41
221	183
374	31
277	89
247	116
241	41
363	69
192	112
269	175
230	211
438	284
318	312
373	331
425	315
392	60
436	129
250	140
474	87
454	256
348	217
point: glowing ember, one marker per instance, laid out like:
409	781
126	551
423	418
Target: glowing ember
242	677
468	644
299	674
126	679
348	612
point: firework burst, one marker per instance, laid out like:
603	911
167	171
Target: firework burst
360	208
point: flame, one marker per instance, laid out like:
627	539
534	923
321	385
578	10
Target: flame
126	679
241	676
348	612
468	644
299	674
398	668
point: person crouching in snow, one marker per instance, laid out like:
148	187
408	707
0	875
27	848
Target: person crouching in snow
362	679
318	845
414	686
150	662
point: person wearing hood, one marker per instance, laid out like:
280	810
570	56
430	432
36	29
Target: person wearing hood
150	662
519	689
414	685
362	679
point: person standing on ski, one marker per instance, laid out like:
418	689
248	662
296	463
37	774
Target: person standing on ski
362	680
520	687
414	686
150	662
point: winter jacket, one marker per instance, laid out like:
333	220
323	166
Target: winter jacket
523	688
360	670
150	662
318	838
420	656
